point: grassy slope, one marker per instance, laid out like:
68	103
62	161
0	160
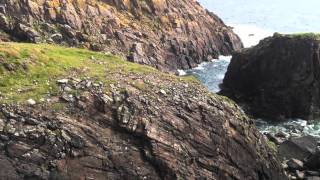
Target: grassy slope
37	67
315	36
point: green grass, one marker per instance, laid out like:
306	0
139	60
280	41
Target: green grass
37	67
47	63
315	36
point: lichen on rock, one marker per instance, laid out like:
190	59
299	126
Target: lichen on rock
168	35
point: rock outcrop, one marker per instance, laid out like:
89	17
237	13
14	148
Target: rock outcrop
279	78
300	156
135	125
166	34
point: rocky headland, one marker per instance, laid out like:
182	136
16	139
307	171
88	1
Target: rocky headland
278	78
166	34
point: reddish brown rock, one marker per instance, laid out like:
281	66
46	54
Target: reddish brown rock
165	131
170	34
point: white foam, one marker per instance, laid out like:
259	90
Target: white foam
201	66
249	34
225	58
297	126
182	72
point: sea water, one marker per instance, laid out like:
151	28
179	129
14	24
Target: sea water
254	20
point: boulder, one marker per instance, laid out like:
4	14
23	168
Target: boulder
4	22
278	78
313	161
298	148
295	164
27	33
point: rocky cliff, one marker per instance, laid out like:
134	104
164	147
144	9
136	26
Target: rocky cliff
76	114
166	34
279	78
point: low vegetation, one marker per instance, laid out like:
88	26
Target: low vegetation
32	70
300	35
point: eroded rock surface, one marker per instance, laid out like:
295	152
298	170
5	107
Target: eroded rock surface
172	130
279	78
166	34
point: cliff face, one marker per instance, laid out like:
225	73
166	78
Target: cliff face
167	34
279	78
120	121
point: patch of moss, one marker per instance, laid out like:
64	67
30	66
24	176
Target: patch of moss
315	36
272	146
190	79
58	106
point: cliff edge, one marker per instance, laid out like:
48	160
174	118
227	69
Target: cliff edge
166	34
70	113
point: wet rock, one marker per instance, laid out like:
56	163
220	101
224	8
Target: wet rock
313	161
277	79
295	164
298	148
275	139
281	135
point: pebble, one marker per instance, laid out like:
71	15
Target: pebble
63	81
300	174
67	89
31	102
284	165
295	164
163	92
